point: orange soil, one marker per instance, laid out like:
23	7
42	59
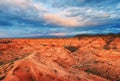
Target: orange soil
52	60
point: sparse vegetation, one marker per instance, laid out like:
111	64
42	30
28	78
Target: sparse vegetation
0	53
5	41
108	39
94	35
93	71
71	48
2	77
1	63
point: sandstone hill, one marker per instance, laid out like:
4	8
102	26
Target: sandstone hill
82	58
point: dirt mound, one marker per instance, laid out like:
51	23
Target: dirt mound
46	66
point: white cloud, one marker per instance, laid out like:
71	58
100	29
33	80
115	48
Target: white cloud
86	16
1	34
23	8
103	15
62	21
76	17
34	35
57	34
118	6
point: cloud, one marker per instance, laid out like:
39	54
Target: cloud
63	3
77	17
47	34
1	34
22	9
34	35
105	15
57	34
22	4
41	17
24	12
5	23
58	20
87	16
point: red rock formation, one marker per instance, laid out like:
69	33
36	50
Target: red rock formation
53	60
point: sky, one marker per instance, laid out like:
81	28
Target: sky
58	18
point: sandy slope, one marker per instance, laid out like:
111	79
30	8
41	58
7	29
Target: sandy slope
70	59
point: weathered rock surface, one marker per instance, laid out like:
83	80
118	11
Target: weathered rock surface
68	59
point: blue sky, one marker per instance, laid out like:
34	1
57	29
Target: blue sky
58	18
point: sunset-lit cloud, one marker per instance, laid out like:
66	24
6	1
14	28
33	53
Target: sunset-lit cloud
57	34
62	21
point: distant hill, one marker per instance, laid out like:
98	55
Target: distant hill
92	35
